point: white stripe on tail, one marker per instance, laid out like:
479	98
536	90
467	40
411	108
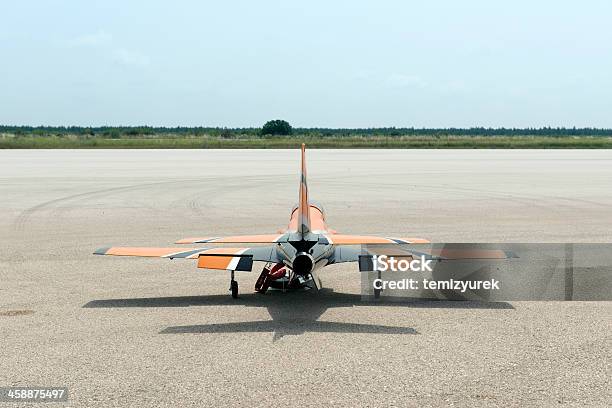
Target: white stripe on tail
303	206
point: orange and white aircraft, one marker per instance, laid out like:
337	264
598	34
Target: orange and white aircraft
292	257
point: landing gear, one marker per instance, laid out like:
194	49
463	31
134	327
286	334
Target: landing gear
377	291
234	287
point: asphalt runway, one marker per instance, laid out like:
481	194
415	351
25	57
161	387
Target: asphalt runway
155	332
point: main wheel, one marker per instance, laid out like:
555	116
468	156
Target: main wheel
377	293
234	289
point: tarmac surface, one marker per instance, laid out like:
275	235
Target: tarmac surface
155	332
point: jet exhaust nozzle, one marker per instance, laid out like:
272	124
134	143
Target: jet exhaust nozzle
303	263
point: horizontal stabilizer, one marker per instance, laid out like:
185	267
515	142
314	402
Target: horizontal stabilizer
236	259
235	262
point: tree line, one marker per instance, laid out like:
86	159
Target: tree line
152	131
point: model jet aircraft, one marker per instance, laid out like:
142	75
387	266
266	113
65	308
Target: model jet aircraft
292	257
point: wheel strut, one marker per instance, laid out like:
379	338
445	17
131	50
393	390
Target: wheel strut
234	287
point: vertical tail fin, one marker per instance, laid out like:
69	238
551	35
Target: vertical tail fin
303	206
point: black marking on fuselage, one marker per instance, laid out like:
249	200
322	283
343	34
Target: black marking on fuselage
302	245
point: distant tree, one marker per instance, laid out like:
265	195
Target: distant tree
276	127
226	134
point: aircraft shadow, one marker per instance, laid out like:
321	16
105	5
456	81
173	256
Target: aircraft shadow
289	327
292	313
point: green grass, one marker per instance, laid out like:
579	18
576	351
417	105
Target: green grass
69	141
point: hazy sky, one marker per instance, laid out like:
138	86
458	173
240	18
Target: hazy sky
313	63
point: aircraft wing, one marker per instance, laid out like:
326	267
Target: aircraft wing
437	252
237	239
335	239
237	259
453	253
189	253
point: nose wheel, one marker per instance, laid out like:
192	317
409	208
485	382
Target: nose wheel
234	287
